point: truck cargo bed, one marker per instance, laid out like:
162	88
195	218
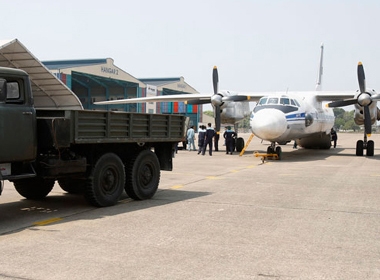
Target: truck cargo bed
86	127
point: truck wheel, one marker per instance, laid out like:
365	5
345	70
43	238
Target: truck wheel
72	186
34	188
143	176
106	182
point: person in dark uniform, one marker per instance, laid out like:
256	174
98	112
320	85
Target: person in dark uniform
229	136
216	141
210	133
334	136
201	138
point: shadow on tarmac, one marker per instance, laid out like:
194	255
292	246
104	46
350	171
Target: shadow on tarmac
308	155
27	214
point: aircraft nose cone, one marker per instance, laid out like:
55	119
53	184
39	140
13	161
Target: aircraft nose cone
268	124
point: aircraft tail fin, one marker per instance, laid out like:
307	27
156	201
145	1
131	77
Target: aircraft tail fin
318	86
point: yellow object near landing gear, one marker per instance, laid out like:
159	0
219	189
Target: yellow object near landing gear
266	156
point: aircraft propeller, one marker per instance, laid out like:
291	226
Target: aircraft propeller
218	99
364	99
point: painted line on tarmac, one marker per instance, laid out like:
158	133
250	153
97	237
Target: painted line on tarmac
177	187
214	178
47	222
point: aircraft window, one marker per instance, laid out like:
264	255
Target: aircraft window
263	101
273	100
292	102
295	100
284	101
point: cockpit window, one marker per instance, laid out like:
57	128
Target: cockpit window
263	101
292	102
273	100
284	101
295	100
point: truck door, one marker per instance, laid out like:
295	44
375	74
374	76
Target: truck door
18	140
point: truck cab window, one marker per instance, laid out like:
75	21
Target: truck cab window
13	91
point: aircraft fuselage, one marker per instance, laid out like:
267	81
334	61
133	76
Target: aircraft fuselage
288	117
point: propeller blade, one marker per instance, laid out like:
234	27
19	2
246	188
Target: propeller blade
215	79
361	77
236	98
367	121
217	118
342	103
375	97
197	102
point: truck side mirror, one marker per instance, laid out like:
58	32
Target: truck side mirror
3	89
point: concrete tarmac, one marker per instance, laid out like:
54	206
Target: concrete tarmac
313	215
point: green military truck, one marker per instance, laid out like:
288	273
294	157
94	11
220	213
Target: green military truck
97	153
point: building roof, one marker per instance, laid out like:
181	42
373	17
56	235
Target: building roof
73	63
48	91
176	84
159	81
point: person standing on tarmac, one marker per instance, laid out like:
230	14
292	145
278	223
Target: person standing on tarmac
191	138
216	140
334	136
229	135
201	138
210	133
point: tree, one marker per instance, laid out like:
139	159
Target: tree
209	113
345	119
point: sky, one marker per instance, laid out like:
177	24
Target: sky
257	45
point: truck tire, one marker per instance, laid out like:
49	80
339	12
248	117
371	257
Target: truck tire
106	183
34	188
143	176
72	186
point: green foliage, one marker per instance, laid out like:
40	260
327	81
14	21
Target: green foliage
209	113
344	120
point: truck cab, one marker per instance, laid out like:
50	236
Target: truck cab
18	139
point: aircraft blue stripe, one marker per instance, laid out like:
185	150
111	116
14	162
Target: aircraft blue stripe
293	117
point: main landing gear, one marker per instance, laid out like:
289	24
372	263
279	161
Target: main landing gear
365	145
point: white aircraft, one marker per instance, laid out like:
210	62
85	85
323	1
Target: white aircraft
281	117
302	117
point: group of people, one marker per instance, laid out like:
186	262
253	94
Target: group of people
206	135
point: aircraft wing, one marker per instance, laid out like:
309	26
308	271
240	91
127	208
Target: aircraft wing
194	98
334	95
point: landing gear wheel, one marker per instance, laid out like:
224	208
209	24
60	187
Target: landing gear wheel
270	150
279	152
239	144
34	188
106	182
143	176
370	148
72	186
359	147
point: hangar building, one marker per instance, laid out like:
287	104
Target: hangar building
100	79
